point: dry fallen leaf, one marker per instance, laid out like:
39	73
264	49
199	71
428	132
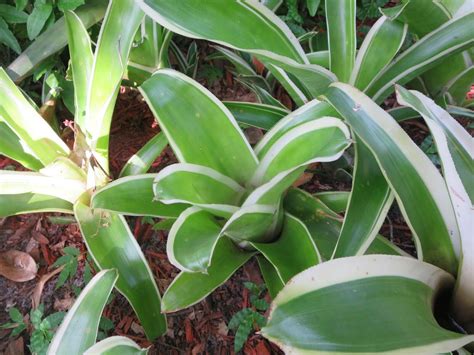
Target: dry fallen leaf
15	347
17	266
36	295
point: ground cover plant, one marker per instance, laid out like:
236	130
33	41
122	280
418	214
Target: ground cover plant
229	202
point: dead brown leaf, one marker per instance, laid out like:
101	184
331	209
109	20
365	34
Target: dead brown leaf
15	347
17	266
36	295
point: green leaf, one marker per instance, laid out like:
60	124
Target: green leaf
451	38
320	58
27	124
19	182
133	195
419	188
239	317
341	23
454	145
383	304
242	334
116	345
191	118
270	275
192	240
37	19
380	46
293	251
141	161
12	147
112	245
116	36
43	47
78	331
309	112
65	5
324	139
55	319
81	64
335	200
198	185
246	26
256	115
12	15
325	225
312	6
369	202
242	67
25	203
15	315
190	288
7	37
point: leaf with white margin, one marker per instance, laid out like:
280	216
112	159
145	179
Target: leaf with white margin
418	186
309	112
380	46
13	147
342	36
255	223
25	203
19	182
293	251
78	331
382	304
199	186
199	128
112	245
192	240
256	115
321	140
243	25
27	124
116	345
82	59
133	196
190	288
455	147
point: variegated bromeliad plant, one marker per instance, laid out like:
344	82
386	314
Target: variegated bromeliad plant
338	286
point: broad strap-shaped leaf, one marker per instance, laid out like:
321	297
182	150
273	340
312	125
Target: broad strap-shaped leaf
456	88
381	303
116	345
81	64
133	196
27	124
325	225
370	200
320	58
324	139
25	203
453	37
43	47
311	111
64	168
402	113
455	148
460	111
150	51
270	275
198	185
190	288
242	25
419	188
242	67
192	240
199	128
256	115
380	46
335	200
14	148
20	182
110	59
294	250
141	161
78	331
254	223
112	245
341	23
